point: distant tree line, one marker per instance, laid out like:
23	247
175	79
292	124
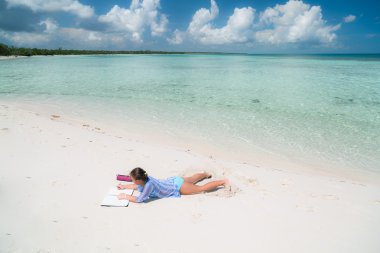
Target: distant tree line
21	51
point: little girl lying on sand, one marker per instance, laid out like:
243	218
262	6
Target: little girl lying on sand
171	187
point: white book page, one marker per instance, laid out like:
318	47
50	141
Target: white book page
112	200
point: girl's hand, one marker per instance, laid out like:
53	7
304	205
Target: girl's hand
126	196
122	196
120	187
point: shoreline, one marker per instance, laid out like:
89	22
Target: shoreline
56	170
260	157
12	57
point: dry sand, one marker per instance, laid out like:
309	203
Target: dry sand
55	171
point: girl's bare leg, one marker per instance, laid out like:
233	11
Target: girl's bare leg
188	188
196	178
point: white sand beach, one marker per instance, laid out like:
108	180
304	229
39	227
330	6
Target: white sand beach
12	57
55	171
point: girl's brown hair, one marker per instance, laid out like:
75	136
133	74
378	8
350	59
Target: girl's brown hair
139	174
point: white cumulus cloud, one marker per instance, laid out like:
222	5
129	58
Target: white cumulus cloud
290	24
132	22
80	36
177	38
350	18
294	22
237	29
71	6
25	38
50	25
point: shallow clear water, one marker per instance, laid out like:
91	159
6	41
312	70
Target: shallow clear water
322	107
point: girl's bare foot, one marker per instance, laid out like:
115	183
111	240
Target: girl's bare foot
227	183
208	175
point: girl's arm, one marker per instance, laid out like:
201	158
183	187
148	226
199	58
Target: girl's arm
125	196
148	188
127	186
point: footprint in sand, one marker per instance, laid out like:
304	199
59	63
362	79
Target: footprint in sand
265	192
305	208
247	181
330	197
324	196
53	117
360	184
197	217
286	183
252	181
42	251
228	191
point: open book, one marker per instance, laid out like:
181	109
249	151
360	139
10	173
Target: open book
112	200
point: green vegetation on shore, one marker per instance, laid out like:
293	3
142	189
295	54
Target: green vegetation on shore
21	51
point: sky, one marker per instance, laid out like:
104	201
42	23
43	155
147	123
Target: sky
238	26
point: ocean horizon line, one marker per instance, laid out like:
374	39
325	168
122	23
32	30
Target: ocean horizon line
6	50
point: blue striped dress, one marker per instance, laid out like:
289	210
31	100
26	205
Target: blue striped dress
155	188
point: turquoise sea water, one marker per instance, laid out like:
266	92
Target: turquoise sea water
325	108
